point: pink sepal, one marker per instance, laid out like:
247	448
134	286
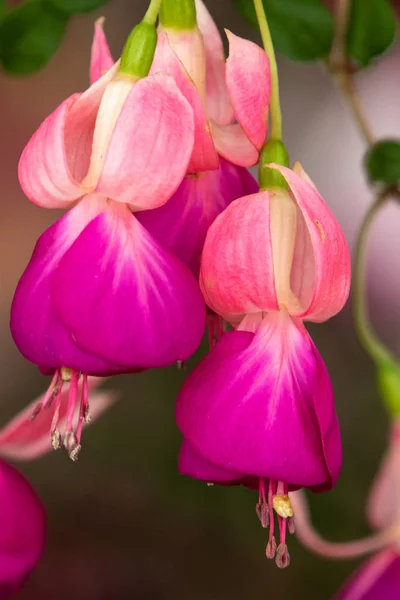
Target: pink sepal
100	59
321	258
150	146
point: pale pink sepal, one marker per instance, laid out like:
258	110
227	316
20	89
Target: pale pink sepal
249	83
232	143
204	156
219	106
26	439
57	156
322	242
100	58
151	145
237	274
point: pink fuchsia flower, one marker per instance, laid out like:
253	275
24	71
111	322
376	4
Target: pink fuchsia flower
22	530
181	224
260	406
259	410
378	577
219	92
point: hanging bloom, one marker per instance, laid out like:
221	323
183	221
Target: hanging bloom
260	406
100	296
218	93
379	576
198	67
22	530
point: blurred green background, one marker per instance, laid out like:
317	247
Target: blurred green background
122	523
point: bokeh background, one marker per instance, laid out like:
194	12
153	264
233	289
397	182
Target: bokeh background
122	523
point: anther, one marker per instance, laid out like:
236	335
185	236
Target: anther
70	441
56	439
263	513
282	506
180	364
66	374
271	548
74	452
282	556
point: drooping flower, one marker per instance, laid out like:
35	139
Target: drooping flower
198	67
22	530
100	296
260	406
379	576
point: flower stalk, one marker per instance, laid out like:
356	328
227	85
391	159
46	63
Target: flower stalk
275	106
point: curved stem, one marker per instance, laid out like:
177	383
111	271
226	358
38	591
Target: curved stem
275	106
339	69
311	539
152	12
369	341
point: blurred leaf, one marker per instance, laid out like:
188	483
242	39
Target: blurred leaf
371	30
29	36
382	162
300	29
3	8
78	6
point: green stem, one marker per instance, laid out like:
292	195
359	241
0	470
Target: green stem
152	12
275	106
369	341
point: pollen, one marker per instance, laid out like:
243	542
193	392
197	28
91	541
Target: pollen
282	506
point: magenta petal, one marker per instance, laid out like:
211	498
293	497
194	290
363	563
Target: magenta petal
22	530
182	223
377	579
37	331
125	298
255	405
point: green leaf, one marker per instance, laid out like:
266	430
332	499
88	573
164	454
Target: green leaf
29	36
300	29
372	29
75	7
382	162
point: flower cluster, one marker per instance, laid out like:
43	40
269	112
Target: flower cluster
150	163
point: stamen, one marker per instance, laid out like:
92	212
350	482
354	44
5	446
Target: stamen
291	525
180	364
282	556
49	396
262	506
56	439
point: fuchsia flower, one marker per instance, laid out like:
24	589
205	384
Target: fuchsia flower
259	408
219	94
379	577
100	295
